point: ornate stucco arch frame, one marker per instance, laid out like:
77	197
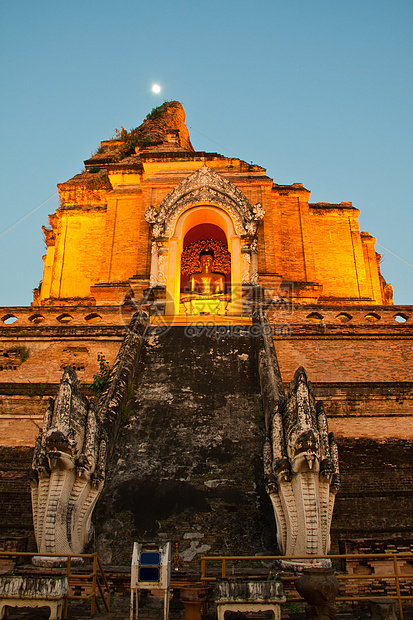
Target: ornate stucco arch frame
204	194
202	213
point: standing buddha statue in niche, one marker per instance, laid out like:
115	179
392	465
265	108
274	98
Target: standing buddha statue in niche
207	282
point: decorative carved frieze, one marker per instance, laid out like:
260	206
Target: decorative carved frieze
162	269
245	268
205	186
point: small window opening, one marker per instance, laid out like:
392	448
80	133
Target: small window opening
93	318
9	319
344	317
315	317
372	317
36	319
65	318
400	317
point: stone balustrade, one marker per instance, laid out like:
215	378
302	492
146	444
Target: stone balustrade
65	316
346	316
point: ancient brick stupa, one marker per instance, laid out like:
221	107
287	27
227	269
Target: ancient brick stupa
264	323
126	223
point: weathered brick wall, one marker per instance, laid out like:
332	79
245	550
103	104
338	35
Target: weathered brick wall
376	497
15	501
121	249
283	238
48	357
340	358
33	355
41	342
21	416
369	346
380	411
346	360
372	273
373	427
358	400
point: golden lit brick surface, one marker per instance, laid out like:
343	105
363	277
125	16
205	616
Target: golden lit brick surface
100	234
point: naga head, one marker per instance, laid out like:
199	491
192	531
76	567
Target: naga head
304	450
58	441
302	434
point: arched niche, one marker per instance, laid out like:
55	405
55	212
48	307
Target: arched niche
197	215
205	230
199	237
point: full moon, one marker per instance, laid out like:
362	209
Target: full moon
156	88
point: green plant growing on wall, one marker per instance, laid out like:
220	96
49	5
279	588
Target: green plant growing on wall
259	414
155	112
21	352
131	392
127	410
98	182
138	136
101	377
131	139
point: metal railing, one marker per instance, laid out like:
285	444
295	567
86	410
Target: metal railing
394	577
82	586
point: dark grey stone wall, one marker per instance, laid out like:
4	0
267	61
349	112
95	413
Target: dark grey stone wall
188	461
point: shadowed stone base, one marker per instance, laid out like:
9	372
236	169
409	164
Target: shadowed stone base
249	596
33	591
319	587
383	608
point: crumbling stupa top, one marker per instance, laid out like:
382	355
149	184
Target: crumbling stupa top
163	129
166	125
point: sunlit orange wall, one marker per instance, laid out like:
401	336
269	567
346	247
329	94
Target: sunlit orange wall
121	251
106	238
77	256
372	272
287	245
338	253
47	272
319	244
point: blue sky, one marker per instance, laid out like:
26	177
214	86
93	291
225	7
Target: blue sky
318	92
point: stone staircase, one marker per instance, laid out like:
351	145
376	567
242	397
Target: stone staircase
188	460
